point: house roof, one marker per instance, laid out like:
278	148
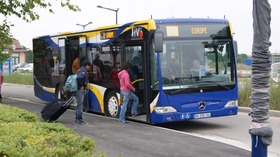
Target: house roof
16	43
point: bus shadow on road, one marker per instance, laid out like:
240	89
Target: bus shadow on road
193	125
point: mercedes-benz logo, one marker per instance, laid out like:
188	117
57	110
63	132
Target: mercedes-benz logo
201	106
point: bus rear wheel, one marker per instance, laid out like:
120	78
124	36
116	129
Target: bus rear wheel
112	105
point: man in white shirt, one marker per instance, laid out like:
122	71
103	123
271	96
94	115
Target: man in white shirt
199	70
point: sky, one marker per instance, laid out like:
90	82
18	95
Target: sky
238	12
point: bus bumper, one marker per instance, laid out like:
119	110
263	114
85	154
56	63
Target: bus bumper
184	116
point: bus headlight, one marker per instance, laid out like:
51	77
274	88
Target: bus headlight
233	103
165	109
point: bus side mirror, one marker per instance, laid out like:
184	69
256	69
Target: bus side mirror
158	40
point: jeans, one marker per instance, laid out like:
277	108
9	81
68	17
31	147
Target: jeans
126	97
80	95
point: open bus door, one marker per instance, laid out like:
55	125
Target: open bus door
75	47
134	53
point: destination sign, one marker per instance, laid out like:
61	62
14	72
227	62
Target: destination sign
195	30
108	35
199	30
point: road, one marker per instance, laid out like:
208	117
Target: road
230	130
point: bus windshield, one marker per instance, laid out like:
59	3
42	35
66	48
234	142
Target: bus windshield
197	63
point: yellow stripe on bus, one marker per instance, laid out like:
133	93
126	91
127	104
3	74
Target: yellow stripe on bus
98	95
153	104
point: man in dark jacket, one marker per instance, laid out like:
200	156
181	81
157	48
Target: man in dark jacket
82	81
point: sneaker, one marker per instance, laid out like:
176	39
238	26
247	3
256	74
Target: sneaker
123	121
80	122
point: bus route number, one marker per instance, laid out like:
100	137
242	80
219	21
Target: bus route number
108	35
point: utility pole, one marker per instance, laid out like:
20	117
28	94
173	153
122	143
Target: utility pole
84	26
115	10
261	133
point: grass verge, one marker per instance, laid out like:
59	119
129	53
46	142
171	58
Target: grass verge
20	78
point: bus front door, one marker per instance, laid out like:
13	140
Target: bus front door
134	54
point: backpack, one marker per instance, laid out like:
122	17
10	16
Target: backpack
71	84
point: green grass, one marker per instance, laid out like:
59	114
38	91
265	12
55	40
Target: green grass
245	89
25	78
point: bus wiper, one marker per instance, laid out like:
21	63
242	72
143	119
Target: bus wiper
195	85
224	87
182	89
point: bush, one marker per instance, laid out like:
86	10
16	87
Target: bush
244	92
274	99
22	134
13	114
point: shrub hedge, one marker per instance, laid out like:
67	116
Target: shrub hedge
22	134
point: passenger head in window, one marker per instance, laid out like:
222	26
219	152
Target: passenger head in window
98	62
135	61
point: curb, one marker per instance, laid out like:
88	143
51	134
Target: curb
272	113
14	84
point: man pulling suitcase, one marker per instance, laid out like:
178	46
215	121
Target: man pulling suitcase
55	109
82	81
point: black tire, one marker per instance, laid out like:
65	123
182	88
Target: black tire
112	105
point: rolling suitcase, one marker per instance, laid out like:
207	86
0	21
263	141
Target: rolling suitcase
55	109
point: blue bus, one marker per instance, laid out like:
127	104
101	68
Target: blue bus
182	69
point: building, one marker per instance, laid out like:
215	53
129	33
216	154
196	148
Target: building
275	67
275	57
18	55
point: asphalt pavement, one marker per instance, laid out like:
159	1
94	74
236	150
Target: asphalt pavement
137	139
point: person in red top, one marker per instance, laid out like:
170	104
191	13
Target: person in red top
127	92
1	82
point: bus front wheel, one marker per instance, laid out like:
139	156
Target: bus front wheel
112	105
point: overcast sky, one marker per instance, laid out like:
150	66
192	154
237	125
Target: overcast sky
239	12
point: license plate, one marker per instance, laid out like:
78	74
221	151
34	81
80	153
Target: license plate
202	115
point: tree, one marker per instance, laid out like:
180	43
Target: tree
25	10
29	56
241	57
5	40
